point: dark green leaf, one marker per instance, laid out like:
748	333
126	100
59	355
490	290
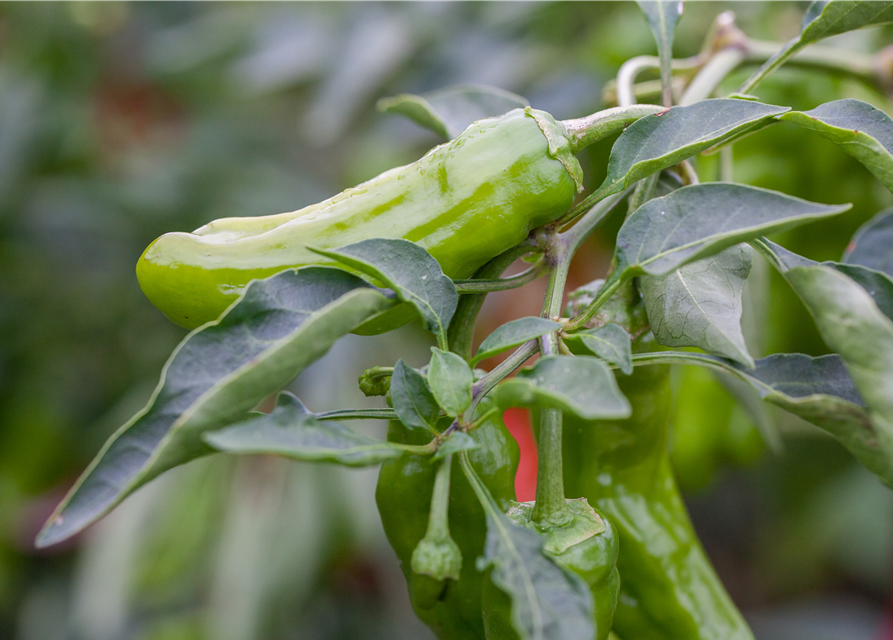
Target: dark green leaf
513	334
410	271
447	112
458	441
664	139
583	386
701	220
292	431
821	391
450	379
863	131
872	245
412	399
662	16
699	305
214	377
548	602
610	342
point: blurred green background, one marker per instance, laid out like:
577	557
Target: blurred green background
119	122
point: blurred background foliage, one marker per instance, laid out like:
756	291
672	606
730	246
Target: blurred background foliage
119	122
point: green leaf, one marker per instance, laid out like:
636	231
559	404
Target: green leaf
701	220
410	271
700	306
214	377
294	432
548	601
863	131
513	334
876	283
872	244
450	379
582	385
458	441
447	112
822	20
412	399
821	391
662	16
664	139
610	342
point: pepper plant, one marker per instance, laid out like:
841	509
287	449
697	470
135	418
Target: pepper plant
606	549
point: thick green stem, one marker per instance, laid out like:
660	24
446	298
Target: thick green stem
551	507
483	386
585	131
438	517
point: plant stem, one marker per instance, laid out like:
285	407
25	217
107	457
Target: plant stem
586	226
626	76
720	65
551	507
438	517
357	414
499	284
607	290
585	131
483	386
461	331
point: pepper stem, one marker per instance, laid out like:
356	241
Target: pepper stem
438	518
582	132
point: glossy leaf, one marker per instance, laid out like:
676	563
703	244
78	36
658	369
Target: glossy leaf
450	379
214	377
513	334
662	16
447	112
412	399
410	271
872	244
700	305
293	431
662	140
610	342
582	385
547	601
863	131
701	220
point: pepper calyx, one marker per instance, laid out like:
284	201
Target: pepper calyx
560	147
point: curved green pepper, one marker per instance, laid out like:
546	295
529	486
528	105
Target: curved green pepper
465	201
669	590
452	609
588	547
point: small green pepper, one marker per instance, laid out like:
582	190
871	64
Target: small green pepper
465	201
588	546
451	608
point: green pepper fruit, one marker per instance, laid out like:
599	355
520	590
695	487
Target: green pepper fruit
465	201
588	546
451	608
669	590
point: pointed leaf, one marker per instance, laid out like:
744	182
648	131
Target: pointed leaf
610	342
548	601
412	399
872	245
410	271
458	441
292	431
664	139
450	379
662	16
824	19
701	220
514	334
863	131
821	391
447	112
582	385
214	377
700	306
